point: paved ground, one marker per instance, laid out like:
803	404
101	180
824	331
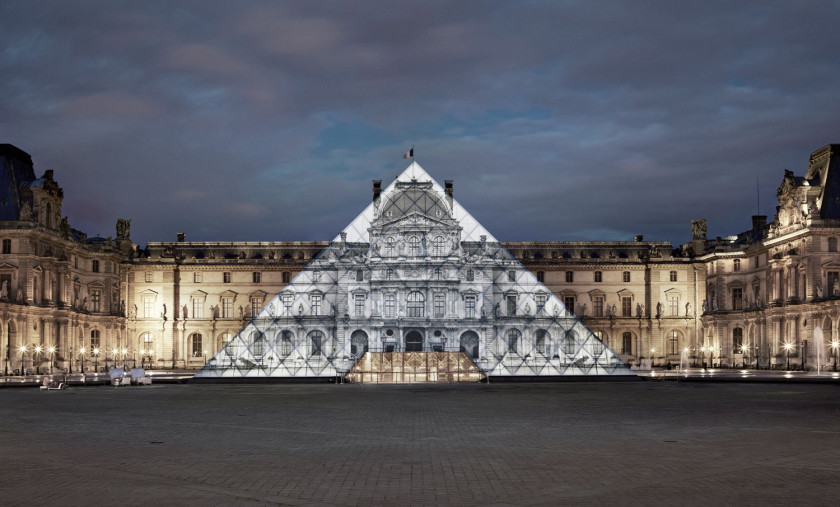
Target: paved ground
639	443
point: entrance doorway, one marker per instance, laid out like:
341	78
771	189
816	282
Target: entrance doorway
414	342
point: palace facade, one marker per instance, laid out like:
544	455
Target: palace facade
766	297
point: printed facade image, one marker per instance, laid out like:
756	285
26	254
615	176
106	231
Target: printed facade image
415	274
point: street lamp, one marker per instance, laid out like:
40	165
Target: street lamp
788	347
205	357
51	350
124	353
744	355
38	350
22	350
703	356
142	358
95	353
652	350
82	353
834	346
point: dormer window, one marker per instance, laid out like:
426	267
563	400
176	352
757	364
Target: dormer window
414	246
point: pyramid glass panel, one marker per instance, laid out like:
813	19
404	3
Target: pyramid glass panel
411	289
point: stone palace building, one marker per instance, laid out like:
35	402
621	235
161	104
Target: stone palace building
767	297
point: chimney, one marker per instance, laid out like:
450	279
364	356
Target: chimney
181	237
448	185
759	221
377	189
639	238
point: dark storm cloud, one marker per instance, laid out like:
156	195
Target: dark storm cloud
557	120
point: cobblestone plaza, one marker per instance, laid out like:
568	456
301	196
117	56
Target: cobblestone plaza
639	443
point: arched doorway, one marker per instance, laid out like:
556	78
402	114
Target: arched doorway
414	342
469	344
358	343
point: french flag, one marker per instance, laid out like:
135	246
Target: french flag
409	153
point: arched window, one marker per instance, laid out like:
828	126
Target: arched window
414	246
513	336
197	344
416	304
358	343
438	246
147	341
737	340
316	343
390	247
258	343
542	342
569	343
736	265
469	344
832	244
285	343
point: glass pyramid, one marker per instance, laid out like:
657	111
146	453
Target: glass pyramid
414	272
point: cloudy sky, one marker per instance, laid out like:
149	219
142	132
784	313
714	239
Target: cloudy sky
558	120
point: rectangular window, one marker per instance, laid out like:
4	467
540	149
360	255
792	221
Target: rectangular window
227	308
360	304
316	304
256	276
148	307
95	300
440	304
94	339
469	306
570	276
738	299
149	276
673	276
511	276
674	305
7	246
226	277
94	266
197	277
389	275
438	274
541	276
511	306
598	276
287	277
470	275
736	265
626	307
256	306
626	343
755	261
287	299
197	308
390	305
569	302
625	277
360	275
833	283
540	299
598	306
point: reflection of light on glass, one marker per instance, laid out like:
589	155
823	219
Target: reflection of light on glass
788	375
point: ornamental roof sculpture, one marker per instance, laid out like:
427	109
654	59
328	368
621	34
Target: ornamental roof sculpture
413	281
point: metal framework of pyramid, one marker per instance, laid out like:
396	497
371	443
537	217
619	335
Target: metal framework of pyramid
414	272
